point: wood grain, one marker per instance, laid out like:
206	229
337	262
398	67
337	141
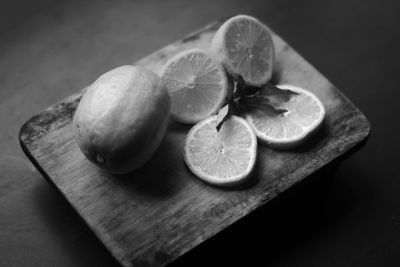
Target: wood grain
154	215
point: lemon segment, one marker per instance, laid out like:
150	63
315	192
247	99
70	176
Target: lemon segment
221	158
288	119
244	46
197	85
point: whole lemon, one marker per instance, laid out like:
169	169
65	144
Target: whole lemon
122	118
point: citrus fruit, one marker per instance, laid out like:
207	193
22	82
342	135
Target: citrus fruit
244	46
221	158
122	118
197	85
285	116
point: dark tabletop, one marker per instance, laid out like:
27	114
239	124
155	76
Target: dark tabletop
348	214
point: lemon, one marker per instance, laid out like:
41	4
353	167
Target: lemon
122	118
197	85
244	46
221	158
284	119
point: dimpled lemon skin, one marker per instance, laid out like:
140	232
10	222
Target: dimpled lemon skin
122	118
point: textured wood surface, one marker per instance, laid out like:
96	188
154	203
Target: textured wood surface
154	215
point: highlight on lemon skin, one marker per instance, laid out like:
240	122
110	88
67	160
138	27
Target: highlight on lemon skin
122	118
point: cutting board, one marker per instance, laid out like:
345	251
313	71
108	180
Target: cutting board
157	213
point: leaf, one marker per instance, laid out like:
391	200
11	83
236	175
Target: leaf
223	115
240	87
225	112
243	90
262	104
270	90
268	100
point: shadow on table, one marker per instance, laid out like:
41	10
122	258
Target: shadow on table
283	226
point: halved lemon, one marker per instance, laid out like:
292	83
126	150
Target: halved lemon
284	119
221	158
197	85
244	46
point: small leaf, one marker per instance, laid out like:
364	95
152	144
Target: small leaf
240	87
269	100
223	115
243	90
283	95
262	104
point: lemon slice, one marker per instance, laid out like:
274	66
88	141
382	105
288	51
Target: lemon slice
244	46
221	158
197	85
284	119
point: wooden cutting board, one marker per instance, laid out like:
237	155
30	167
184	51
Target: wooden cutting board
154	215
